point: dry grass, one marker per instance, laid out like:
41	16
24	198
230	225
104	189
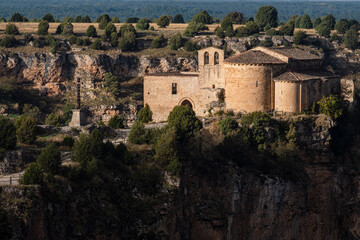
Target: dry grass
51	138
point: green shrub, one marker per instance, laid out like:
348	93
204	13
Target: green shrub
266	15
351	39
54	119
112	84
148	177
271	32
323	29
28	37
132	20
266	43
8	42
26	130
228	125
72	39
241	32
185	122
331	106
252	28
300	38
109	29
178	19
306	22
114	41
48	17
128	41
127	27
7	134
11	29
164	21
203	17
142	24
87	149
97	45
91	31
32	112
103	23
219	32
33	175
253	129
190	46
68	141
176	42
193	28
152	28
68	29
116	122
145	114
137	133
43	28
158	42
49	159
287	29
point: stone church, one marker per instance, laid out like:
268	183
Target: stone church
280	79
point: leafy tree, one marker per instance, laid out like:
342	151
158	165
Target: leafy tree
137	133
241	32
7	134
164	21
103	23
351	39
176	42
97	45
266	15
193	28
166	151
11	29
252	28
145	114
104	16
8	42
329	20
77	19
115	20
128	41
112	84
331	106
86	19
48	17
342	26
185	122
236	17
132	20
91	31
109	29
49	159
228	125
300	38
26	130
306	22
142	24
203	17
126	28
317	22
54	120
323	29
43	28
33	175
178	19
158	42
116	122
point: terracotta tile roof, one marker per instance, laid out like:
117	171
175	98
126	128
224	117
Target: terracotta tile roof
253	57
303	75
295	53
172	74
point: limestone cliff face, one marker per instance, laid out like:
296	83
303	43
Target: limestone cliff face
51	73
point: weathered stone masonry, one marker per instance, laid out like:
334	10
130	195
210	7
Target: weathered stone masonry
286	80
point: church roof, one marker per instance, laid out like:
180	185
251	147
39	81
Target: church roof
303	75
253	57
295	53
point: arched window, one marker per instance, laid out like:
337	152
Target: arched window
216	58
206	58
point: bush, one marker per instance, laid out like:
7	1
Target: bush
287	29
176	42
158	42
7	134
104	16
252	28
32	112
26	130
300	38
331	106
185	122
128	42
152	28
132	20
253	129
242	32
178	19
8	42
266	43
116	122
87	149
48	17
236	17
323	29
11	29
126	28
137	133
266	15
68	141
228	125
33	175
166	152
142	24
190	46
91	31
193	28
219	32
112	84
72	39
351	39
271	32
54	120
145	114
164	21
203	17
97	45
49	159
43	28
114	41
306	22
28	37
68	29
342	26
109	29
103	23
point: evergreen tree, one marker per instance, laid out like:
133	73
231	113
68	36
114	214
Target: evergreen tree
306	22
145	114
266	15
7	134
91	31
33	175
351	39
43	28
178	19
164	21
49	159
203	17
11	29
48	17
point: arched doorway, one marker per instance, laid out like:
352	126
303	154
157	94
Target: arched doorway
186	103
